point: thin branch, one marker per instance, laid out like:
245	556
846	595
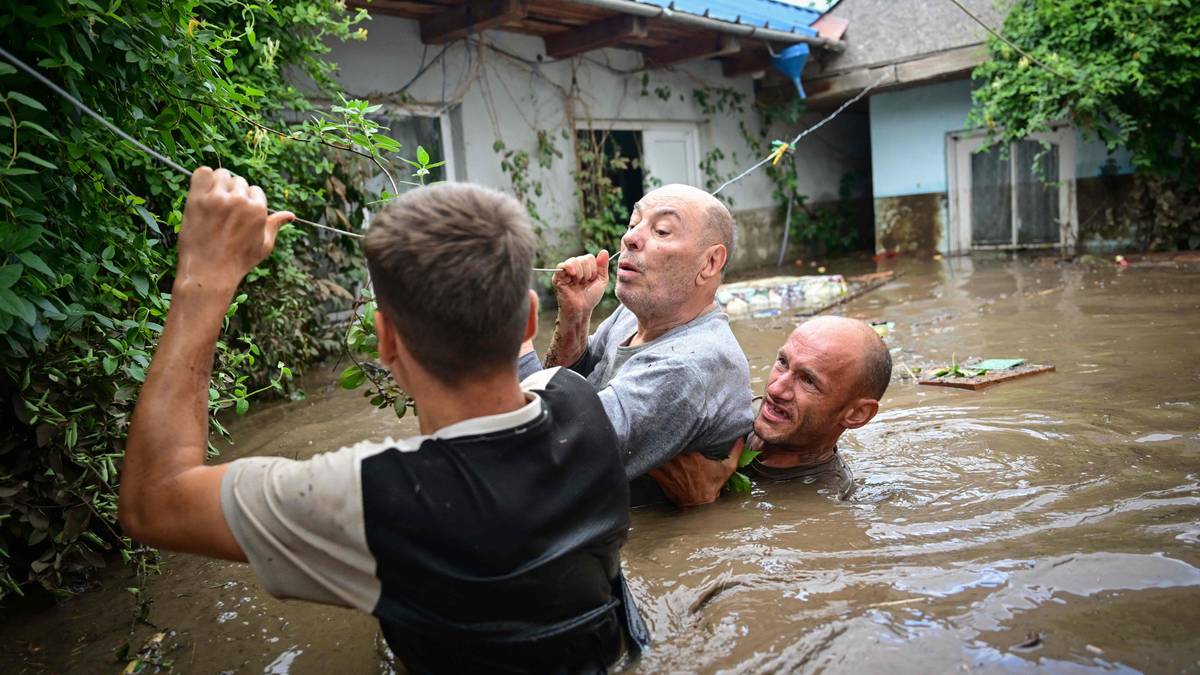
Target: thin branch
281	134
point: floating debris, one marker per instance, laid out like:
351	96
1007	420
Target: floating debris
976	374
804	295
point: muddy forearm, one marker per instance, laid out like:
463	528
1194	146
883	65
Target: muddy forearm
569	341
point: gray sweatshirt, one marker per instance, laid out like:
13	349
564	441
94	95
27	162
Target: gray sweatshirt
689	389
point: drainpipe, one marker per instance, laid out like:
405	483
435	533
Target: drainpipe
654	12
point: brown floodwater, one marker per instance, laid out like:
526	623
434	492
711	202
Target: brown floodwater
1048	523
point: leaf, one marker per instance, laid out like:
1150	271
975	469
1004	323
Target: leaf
32	260
422	155
140	283
37	160
40	129
352	377
9	274
748	456
148	218
242	406
13	304
6	69
738	484
387	144
22	98
109	363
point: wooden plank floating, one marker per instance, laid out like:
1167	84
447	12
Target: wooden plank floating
988	378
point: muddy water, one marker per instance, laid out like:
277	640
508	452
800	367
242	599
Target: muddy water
1048	523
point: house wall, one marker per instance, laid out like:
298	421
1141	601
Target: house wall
909	169
887	31
841	149
491	96
908	163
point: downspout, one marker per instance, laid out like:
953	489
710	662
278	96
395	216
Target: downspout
743	30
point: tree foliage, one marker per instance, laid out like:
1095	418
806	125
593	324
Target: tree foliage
1124	71
88	225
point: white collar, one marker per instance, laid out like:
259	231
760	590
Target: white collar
489	424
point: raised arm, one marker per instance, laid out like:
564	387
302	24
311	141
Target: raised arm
169	498
579	285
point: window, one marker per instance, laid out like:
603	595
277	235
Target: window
1015	196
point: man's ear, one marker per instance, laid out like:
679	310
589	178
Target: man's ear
859	412
531	322
385	333
392	352
715	257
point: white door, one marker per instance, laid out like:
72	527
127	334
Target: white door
1014	196
671	156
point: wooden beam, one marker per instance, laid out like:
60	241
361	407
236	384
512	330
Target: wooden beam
701	48
471	17
604	33
745	62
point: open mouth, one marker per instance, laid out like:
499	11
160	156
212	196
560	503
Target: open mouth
628	267
773	413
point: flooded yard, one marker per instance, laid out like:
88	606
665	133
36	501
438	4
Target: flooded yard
1051	522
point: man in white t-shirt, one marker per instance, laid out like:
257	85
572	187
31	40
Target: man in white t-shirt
490	543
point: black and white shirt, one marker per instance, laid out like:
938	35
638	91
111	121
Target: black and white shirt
489	545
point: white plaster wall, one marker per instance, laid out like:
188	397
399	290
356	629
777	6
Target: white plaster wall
511	98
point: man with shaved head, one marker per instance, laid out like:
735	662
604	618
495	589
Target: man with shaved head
669	372
828	377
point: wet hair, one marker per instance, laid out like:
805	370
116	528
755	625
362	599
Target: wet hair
877	367
451	266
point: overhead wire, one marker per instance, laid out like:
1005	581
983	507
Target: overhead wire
802	134
136	143
1008	42
179	168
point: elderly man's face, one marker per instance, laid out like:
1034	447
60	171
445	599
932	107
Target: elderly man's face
662	250
815	377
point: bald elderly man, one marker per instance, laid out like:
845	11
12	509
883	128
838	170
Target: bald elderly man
669	372
828	377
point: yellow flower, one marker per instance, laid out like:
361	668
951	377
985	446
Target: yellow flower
191	27
360	34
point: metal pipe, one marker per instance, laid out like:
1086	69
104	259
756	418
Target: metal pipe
653	12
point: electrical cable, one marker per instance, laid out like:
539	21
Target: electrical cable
1008	42
802	134
136	143
177	167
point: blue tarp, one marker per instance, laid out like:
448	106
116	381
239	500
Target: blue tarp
762	13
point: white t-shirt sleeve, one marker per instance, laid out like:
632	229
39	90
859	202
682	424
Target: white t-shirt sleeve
300	524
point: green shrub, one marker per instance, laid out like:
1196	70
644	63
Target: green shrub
1122	71
87	232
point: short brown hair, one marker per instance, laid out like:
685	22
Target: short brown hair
451	266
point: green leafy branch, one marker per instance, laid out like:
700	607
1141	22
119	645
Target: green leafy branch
739	483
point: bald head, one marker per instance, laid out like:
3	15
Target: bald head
865	347
714	216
